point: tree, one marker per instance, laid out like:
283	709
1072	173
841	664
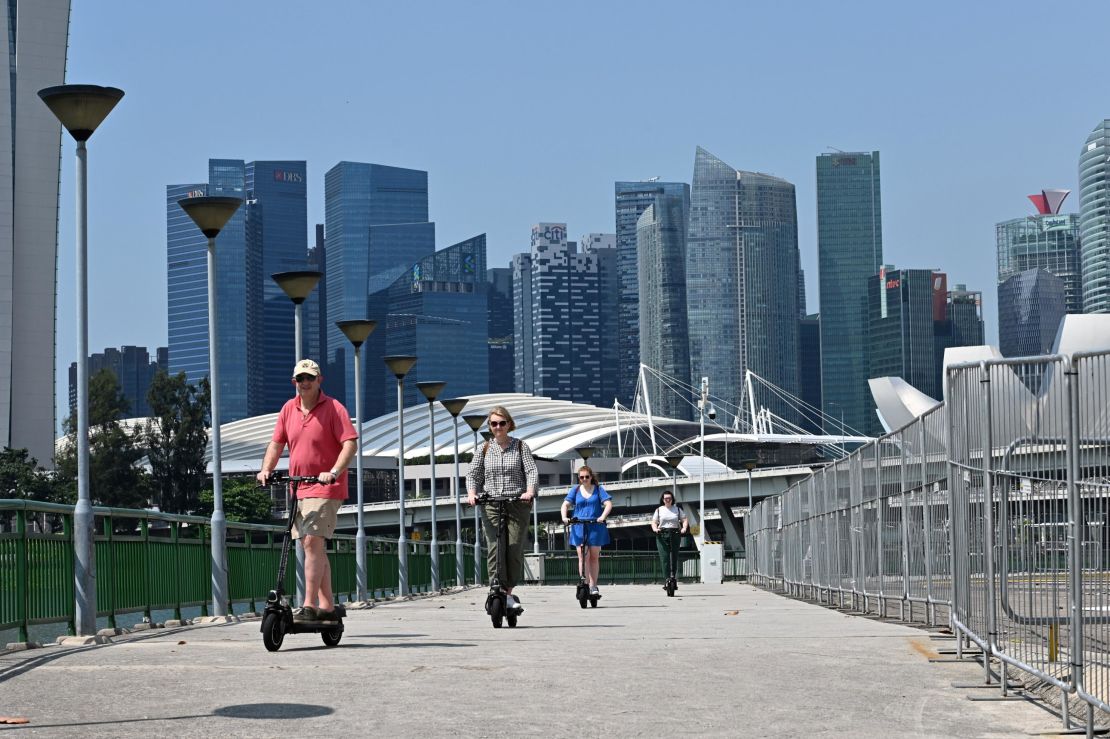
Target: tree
244	501
176	438
114	478
21	477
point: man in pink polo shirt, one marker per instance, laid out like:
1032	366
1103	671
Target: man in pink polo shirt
321	443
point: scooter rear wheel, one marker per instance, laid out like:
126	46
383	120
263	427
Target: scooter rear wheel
273	631
511	619
331	638
593	601
496	612
671	585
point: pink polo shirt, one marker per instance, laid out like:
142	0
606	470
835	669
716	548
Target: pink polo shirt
315	442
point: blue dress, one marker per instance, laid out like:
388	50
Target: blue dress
597	535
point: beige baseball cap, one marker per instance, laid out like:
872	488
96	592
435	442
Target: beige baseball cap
306	367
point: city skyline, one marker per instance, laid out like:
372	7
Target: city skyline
465	122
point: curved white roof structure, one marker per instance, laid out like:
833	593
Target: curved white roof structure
552	428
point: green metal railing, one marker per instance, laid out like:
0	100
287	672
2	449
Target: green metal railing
148	561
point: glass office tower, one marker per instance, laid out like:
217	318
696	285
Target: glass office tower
905	306
35	35
501	376
375	228
632	199
849	253
1094	219
438	311
664	338
742	283
1031	305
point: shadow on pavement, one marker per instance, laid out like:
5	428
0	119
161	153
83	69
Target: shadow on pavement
267	711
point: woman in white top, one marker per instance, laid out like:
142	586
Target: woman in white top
669	520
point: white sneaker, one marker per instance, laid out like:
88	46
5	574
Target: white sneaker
511	602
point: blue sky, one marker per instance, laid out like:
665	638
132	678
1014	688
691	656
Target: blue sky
524	112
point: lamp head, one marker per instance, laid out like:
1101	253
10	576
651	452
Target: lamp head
81	108
297	285
356	329
399	364
585	452
475	420
750	464
674	460
430	389
487	435
454	406
210	212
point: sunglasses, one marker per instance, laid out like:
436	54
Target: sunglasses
305	378
495	424
583	477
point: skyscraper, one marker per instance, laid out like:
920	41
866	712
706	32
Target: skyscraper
742	281
849	253
133	369
632	199
906	306
557	304
1031	305
809	371
1048	240
603	247
664	338
438	311
255	318
30	150
375	228
501	376
1094	219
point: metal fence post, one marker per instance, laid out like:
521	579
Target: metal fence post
927	524
906	602
1075	521
988	534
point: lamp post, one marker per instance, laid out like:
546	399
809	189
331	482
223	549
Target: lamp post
80	109
400	365
454	406
298	286
702	401
431	389
211	214
356	330
749	465
475	421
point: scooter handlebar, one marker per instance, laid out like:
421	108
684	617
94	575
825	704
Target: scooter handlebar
277	476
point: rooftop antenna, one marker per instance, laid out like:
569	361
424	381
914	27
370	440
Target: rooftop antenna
839	151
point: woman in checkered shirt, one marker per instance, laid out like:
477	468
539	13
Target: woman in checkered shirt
503	468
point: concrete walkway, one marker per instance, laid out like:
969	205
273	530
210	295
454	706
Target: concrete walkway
728	660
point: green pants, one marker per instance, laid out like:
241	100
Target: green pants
668	542
516	512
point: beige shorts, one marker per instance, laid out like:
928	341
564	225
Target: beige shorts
316	517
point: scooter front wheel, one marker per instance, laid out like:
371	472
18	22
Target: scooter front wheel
496	612
671	585
511	620
331	638
273	631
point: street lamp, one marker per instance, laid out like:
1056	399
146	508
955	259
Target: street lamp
430	389
400	365
298	286
454	406
211	214
475	421
356	330
702	402
81	108
749	465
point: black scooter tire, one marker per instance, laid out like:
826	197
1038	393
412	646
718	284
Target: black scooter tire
670	588
593	602
496	615
511	620
273	631
331	638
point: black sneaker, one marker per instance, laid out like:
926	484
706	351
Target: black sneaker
306	613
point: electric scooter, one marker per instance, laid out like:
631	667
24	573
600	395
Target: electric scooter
582	592
497	600
673	537
277	619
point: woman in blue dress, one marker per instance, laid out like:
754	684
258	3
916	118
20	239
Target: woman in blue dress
591	503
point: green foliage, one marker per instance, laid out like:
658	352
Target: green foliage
114	478
176	438
244	501
21	477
